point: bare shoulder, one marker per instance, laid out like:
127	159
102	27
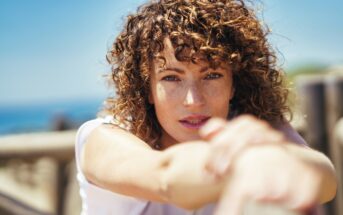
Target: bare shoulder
110	142
110	145
114	135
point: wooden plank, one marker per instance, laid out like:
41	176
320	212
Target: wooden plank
310	90
29	187
59	145
333	100
339	132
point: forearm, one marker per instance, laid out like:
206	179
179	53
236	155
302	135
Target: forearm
320	163
185	181
131	172
175	175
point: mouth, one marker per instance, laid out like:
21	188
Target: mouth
194	121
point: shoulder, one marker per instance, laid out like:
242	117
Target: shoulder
100	134
104	130
114	134
290	133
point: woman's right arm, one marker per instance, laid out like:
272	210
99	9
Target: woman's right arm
116	160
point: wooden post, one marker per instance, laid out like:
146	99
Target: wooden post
333	100
334	111
310	94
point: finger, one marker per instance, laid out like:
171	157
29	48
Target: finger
227	143
237	129
218	162
245	133
226	146
265	136
211	128
233	137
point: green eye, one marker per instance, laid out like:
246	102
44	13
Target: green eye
212	76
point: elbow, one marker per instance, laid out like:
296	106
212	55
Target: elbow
329	191
329	185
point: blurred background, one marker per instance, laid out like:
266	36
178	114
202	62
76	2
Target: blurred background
52	67
52	53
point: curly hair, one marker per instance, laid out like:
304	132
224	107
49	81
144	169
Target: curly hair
221	31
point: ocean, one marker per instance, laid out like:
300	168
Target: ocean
46	116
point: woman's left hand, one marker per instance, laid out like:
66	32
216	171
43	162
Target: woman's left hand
270	174
228	139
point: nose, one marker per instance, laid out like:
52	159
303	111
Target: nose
194	96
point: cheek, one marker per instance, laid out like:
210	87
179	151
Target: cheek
219	98
219	90
165	99
165	95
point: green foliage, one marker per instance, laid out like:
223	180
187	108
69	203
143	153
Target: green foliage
307	69
293	73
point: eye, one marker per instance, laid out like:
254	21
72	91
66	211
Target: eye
212	76
170	78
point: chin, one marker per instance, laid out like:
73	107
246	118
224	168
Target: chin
190	138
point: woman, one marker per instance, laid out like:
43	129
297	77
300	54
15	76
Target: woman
199	118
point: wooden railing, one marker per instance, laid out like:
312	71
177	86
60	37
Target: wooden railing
58	145
34	172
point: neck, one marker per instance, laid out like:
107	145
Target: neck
166	140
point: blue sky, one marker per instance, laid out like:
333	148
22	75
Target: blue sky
55	50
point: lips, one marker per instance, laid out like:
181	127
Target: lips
194	121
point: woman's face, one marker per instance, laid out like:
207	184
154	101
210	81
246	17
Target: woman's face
186	95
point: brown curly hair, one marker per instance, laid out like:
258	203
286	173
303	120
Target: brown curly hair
219	30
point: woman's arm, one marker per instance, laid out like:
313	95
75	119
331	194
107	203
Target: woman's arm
284	171
321	163
118	161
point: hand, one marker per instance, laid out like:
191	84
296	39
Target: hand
229	138
270	174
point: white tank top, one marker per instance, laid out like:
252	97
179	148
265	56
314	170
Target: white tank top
98	201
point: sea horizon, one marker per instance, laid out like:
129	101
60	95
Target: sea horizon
44	116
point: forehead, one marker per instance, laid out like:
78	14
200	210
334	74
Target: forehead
167	57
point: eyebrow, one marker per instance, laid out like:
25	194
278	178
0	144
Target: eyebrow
180	70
